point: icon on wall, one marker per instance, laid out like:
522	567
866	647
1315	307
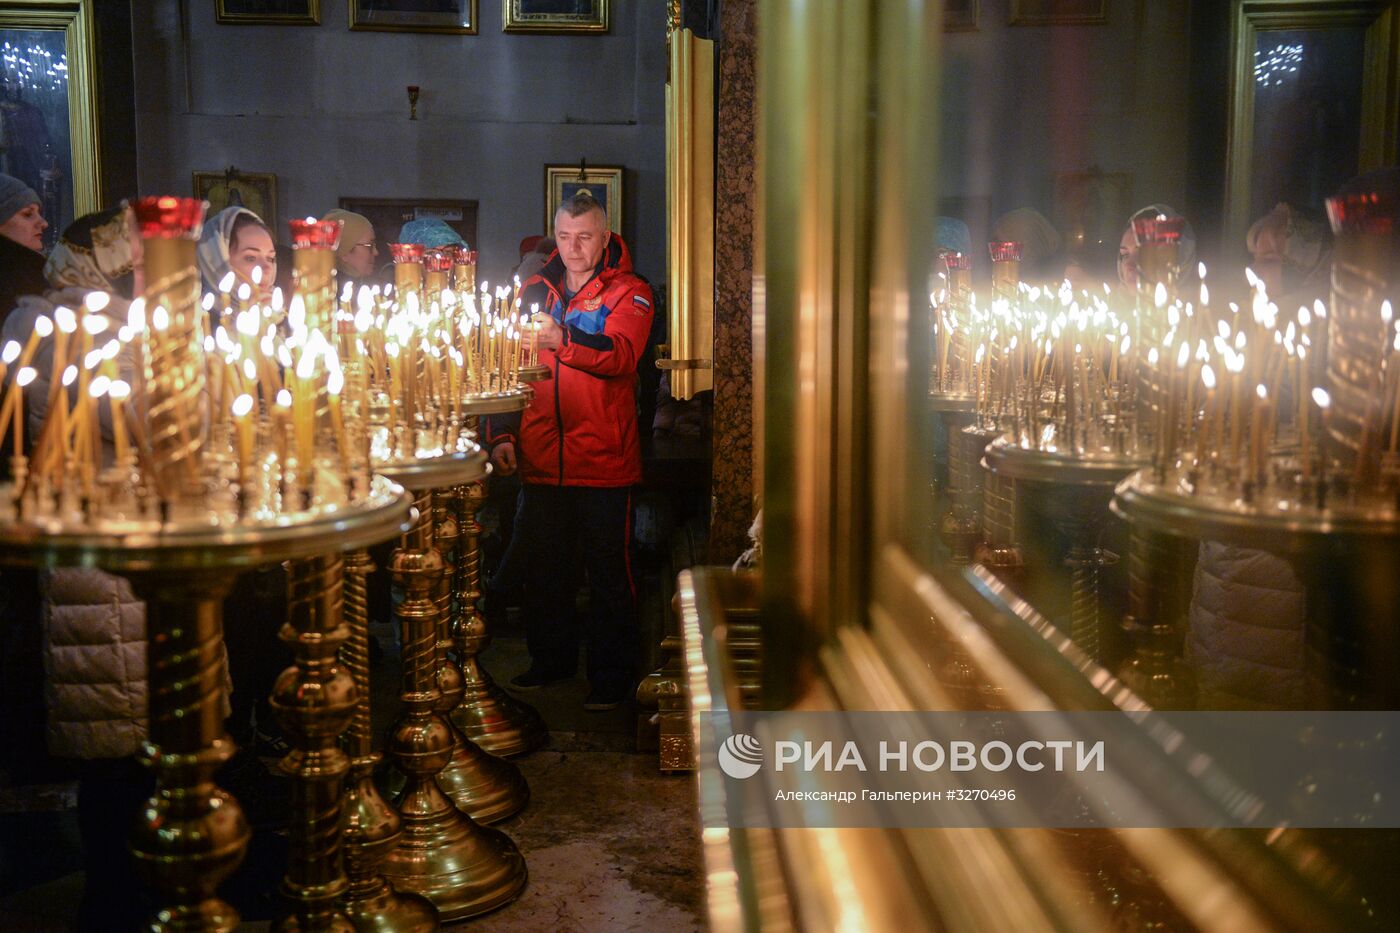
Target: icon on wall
604	182
451	16
268	12
556	15
256	191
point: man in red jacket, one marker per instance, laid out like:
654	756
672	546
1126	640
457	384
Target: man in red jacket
579	455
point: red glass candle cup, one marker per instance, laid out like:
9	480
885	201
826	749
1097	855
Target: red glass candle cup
1370	213
1008	251
166	217
315	234
1159	229
954	259
437	260
406	252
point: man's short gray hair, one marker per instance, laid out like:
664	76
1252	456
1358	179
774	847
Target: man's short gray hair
580	203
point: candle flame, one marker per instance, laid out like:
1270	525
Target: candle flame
242	405
25	376
10	353
119	389
66	320
70	374
284	398
99	386
1320	397
1262	392
96	301
1208	376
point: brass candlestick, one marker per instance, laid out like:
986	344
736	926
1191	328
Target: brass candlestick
192	835
372	825
314	700
495	720
464	869
1074	490
486	788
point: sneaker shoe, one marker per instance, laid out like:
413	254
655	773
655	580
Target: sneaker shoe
600	701
537	677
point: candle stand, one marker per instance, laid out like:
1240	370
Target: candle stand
1074	490
488	715
1353	607
463	868
183	562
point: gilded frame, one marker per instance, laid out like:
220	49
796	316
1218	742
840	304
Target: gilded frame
75	19
358	24
312	16
1380	97
604	178
517	19
259	187
1043	13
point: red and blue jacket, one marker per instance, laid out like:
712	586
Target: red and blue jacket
580	429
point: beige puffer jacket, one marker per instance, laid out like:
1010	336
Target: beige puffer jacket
95	662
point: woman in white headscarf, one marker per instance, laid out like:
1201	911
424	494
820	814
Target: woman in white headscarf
236	240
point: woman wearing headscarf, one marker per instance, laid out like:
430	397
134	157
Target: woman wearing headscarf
236	240
22	227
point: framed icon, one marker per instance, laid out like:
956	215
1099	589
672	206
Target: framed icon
604	182
555	15
268	12
256	191
450	16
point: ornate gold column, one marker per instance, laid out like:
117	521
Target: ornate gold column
372	825
490	717
192	835
486	788
462	868
314	700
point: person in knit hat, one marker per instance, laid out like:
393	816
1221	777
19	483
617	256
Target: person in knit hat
22	227
431	232
357	250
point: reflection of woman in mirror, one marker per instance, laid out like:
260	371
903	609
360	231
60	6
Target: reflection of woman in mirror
22	227
24	136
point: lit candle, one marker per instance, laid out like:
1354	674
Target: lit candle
242	408
118	392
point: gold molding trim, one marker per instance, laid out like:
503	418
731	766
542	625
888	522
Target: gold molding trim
75	18
690	212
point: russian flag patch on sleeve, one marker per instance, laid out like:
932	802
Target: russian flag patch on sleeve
641	301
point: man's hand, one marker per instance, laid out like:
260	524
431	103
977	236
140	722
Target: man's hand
551	334
503	458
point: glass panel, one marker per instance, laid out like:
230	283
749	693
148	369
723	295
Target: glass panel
35	142
1186	466
1307	114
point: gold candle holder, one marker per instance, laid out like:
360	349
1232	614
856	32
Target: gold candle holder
192	835
372	825
490	717
463	868
486	788
1006	268
174	346
1358	338
314	700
